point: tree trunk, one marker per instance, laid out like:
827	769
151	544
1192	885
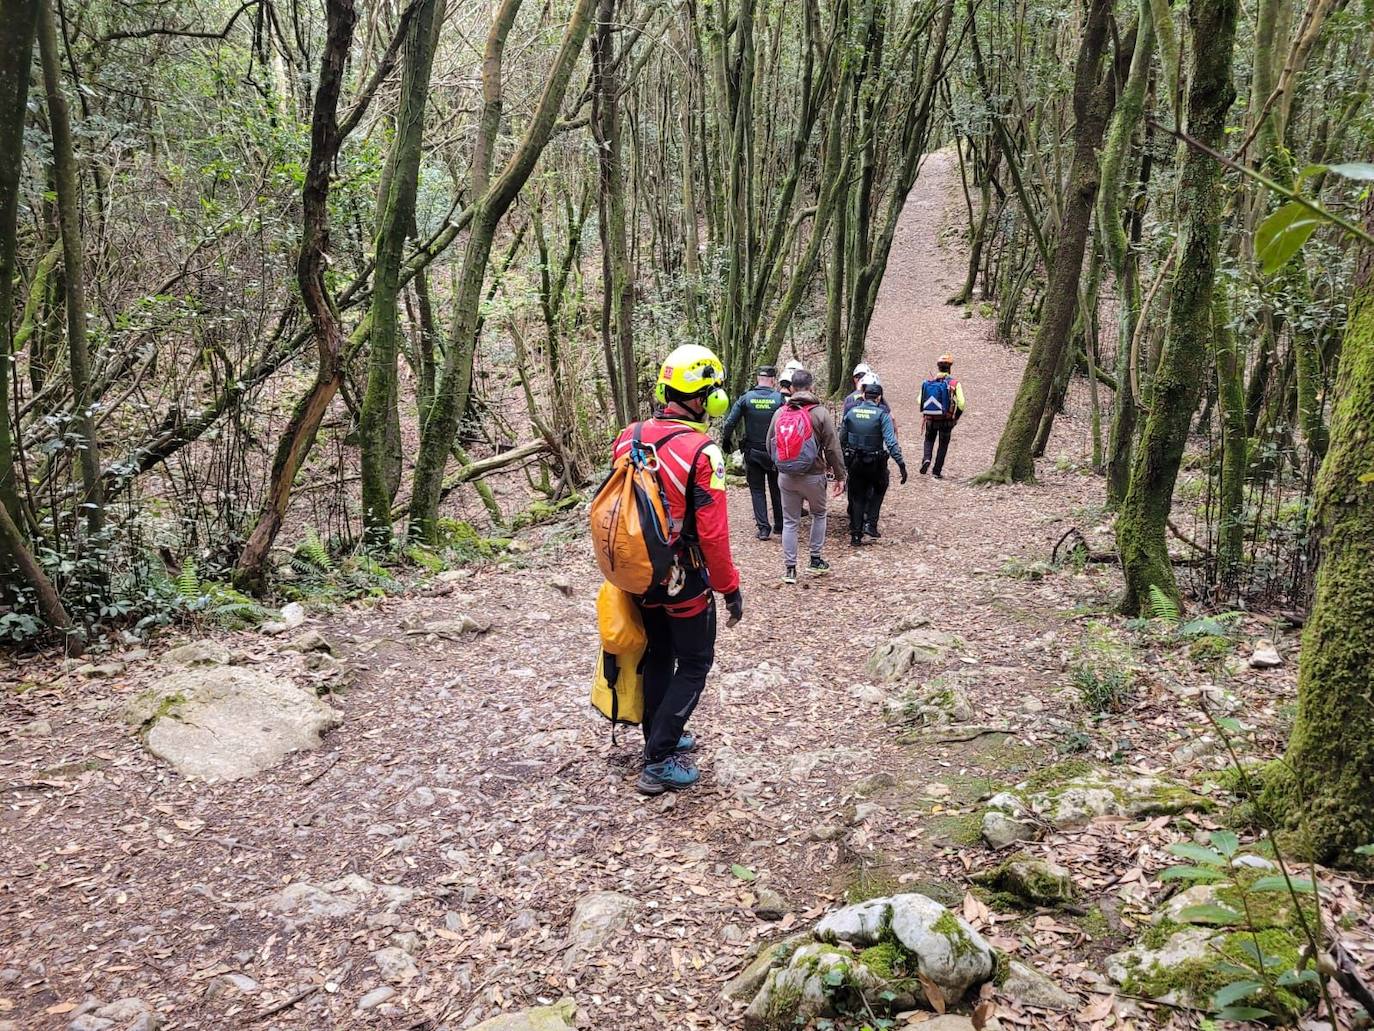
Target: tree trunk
380	466
1124	263
491	204
299	435
16	54
1325	791
1177	383
73	269
1230	365
617	285
1093	94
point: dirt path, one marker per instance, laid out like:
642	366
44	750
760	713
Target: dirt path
470	773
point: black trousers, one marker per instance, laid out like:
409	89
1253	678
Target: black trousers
758	471
680	653
868	483
935	430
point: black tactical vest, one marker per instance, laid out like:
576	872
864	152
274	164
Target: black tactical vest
864	428
759	405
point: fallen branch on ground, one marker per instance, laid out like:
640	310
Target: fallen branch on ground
476	470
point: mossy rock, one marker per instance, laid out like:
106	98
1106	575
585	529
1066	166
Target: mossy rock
1070	797
1038	882
1186	966
1206	904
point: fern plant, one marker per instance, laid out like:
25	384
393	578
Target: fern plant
311	557
188	582
232	609
1162	606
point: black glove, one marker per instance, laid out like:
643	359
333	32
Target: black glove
902	467
734	604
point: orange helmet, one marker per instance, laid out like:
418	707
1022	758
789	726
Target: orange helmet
945	359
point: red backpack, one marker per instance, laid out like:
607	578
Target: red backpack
794	441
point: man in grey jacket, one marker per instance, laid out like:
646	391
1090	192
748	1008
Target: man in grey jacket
809	486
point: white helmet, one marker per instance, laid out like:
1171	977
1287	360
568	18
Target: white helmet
793	366
871	380
861	370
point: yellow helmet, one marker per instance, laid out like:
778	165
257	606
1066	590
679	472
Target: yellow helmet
693	371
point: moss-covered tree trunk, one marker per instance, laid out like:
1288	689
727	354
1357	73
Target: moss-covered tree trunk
1178	380
1093	95
379	415
1125	264
1327	790
73	272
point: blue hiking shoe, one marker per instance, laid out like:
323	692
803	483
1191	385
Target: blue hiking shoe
672	774
687	742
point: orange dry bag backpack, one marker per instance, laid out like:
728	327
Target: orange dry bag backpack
631	532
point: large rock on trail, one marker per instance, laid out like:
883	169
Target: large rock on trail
937	704
302	902
1081	797
947	950
894	952
1039	882
595	918
198	653
225	722
1029	987
558	1017
893	659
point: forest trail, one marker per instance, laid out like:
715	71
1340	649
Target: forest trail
470	773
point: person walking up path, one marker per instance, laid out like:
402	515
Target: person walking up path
867	437
942	405
755	410
805	447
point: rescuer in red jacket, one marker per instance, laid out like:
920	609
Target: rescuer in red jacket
680	617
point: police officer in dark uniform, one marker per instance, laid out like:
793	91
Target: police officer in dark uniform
755	410
867	437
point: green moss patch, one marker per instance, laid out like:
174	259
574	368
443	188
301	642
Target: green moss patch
1199	979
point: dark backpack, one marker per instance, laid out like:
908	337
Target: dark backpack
937	399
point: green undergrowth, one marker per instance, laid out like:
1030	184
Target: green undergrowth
544	511
1199	979
957	828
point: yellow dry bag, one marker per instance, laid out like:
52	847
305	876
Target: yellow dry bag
618	687
618	683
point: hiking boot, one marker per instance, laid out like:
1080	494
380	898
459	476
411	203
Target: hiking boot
764	533
938	476
687	742
872	531
818	566
789	575
778	528
672	774
925	467
854	542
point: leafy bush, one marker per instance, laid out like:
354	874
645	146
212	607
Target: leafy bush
1260	979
